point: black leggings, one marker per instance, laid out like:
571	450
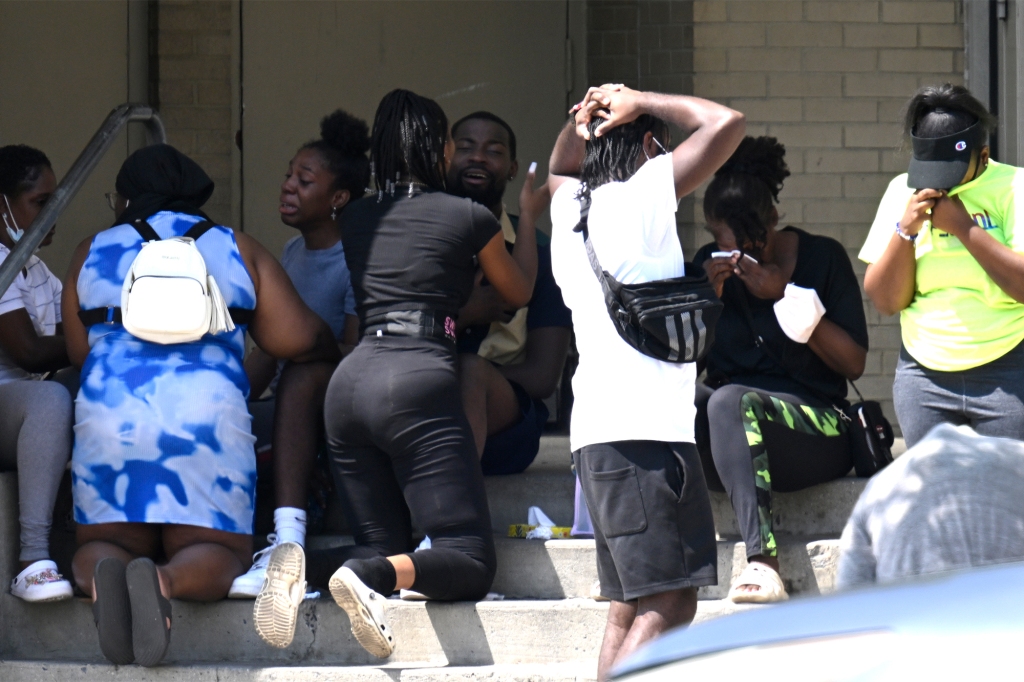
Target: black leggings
739	429
400	445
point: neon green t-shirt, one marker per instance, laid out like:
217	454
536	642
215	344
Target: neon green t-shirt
959	317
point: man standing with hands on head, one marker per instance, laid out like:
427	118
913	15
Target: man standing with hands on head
510	360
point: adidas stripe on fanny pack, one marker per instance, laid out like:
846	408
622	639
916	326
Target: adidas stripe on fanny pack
170	270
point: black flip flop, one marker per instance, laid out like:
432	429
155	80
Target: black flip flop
112	611
150	613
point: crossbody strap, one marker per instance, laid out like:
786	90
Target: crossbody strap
595	264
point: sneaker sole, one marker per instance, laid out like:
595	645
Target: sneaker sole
275	611
366	630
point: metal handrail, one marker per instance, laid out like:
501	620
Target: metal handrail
75	178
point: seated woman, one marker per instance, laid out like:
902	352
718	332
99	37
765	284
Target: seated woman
791	334
35	416
944	252
323	177
401	447
163	465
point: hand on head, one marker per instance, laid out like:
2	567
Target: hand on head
613	102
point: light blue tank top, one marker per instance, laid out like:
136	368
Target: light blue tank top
162	432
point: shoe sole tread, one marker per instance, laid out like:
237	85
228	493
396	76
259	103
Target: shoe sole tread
275	612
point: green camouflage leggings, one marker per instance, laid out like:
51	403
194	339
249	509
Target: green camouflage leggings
754	410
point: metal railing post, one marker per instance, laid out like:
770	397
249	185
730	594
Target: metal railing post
75	178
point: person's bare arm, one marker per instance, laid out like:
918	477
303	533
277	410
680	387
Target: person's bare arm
76	337
349	335
513	276
566	156
283	325
29	350
715	131
837	349
261	370
538	374
890	281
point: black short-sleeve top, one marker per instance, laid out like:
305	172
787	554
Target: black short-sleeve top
822	264
414	253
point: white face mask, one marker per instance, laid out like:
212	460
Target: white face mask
15	233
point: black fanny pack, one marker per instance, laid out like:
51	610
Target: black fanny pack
668	319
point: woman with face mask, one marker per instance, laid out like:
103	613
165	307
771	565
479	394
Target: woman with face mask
35	416
945	253
324	176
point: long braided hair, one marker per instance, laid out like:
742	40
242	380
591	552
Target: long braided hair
612	156
343	143
746	189
409	136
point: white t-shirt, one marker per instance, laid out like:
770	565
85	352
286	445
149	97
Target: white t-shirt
621	394
38	292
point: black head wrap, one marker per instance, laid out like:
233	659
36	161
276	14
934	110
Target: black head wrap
160	178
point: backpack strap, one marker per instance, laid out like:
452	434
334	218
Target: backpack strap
199	229
145	231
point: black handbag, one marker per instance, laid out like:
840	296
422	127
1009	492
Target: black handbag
669	319
870	433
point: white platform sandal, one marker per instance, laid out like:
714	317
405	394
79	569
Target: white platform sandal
765	579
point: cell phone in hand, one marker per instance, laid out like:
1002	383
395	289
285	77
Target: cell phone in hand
730	254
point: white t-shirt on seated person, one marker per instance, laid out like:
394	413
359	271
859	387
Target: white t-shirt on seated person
37	290
619	393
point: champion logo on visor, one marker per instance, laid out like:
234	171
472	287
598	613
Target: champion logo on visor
961	145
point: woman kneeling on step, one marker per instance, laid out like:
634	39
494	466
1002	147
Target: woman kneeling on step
791	334
163	465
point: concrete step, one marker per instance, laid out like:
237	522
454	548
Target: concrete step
50	671
436	634
565	569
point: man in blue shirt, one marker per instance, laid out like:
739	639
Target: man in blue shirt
511	360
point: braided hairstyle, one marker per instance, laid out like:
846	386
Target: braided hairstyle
20	167
940	110
344	141
409	137
612	156
746	188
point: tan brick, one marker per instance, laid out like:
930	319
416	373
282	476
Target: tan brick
757	129
213	93
878	35
728	35
953	78
840	109
839	59
840	161
813	186
873	363
804	35
710	59
709	10
791	211
883	85
958	61
219	44
197	118
765	10
808	134
177	92
890	109
918	12
195	68
871	185
182	140
840	211
175	43
729	85
214	141
895	161
919	61
872	135
804	85
845	11
217	166
764	59
939	35
768	110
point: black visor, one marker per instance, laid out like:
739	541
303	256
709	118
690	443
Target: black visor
942	162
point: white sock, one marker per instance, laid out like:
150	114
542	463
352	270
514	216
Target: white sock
290	525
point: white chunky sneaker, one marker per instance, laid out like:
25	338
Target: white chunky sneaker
41	582
284	588
247	585
365	609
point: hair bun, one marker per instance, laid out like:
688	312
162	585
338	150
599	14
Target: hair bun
346	133
762	157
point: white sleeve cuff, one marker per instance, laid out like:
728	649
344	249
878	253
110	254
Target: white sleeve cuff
799	312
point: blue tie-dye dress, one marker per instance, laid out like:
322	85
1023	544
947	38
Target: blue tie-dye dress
163	432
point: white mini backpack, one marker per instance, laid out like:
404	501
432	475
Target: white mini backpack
168	296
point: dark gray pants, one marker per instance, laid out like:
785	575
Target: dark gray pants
989	398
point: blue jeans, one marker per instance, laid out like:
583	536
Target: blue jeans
989	398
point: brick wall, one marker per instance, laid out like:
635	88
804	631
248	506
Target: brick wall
194	46
829	79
